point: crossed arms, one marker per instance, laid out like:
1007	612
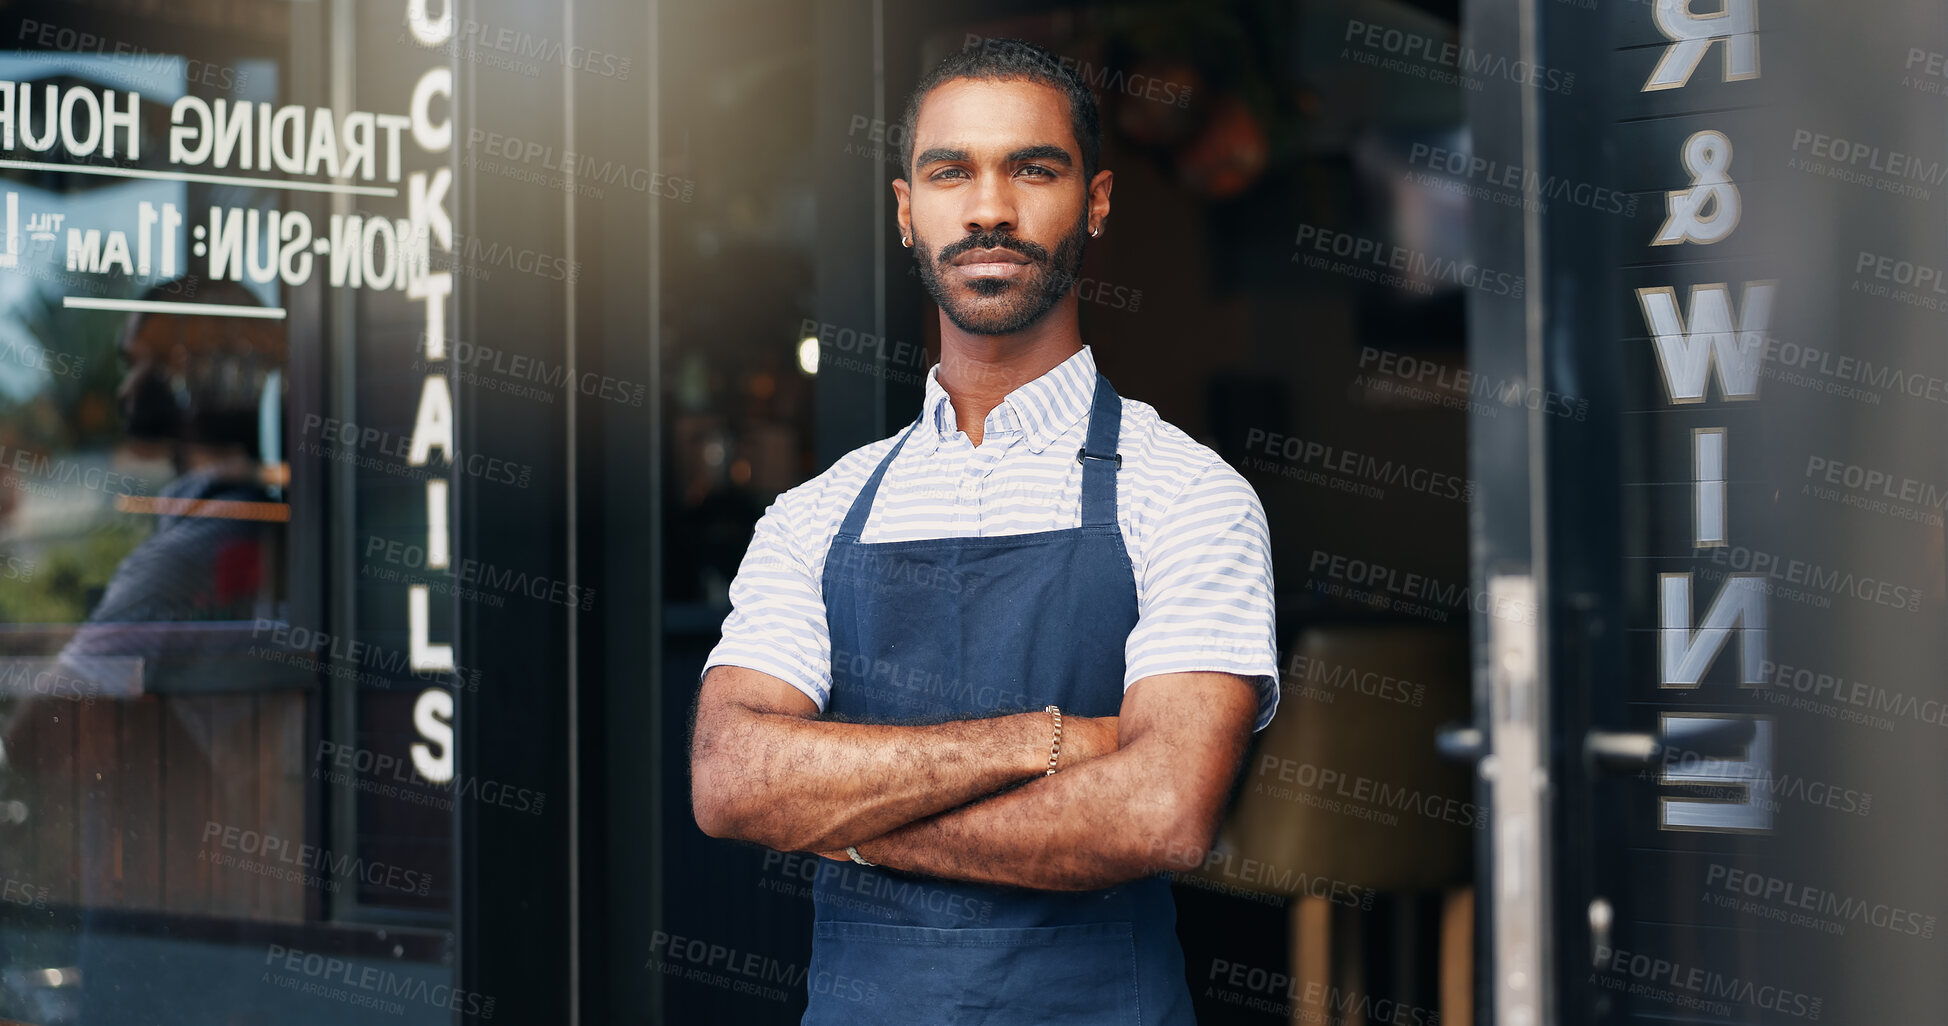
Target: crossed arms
1135	794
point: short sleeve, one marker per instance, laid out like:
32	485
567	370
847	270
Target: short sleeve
1204	588
777	619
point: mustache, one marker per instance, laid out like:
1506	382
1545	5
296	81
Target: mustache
994	240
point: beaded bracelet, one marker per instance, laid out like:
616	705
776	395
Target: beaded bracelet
1055	749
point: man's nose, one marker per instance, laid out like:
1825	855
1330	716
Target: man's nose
990	206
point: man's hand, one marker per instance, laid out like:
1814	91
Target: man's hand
763	768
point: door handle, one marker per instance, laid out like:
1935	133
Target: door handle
1630	751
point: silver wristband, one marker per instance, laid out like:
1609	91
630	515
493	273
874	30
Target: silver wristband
854	852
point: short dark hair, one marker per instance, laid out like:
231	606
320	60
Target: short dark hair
1007	60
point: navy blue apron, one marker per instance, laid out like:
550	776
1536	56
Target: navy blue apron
963	628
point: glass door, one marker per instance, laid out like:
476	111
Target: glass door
1708	664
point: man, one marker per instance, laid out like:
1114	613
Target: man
1012	656
194	390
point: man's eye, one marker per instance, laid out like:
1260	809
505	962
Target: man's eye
1037	169
950	172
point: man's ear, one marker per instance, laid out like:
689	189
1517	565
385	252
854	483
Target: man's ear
904	194
1099	198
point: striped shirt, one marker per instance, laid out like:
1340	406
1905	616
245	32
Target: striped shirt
1194	529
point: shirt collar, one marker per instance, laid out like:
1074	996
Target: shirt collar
1042	408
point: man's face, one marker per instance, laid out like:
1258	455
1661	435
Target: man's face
149	408
998	205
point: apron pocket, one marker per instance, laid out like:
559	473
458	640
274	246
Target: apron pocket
1082	974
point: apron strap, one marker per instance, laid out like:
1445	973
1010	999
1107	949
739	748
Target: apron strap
1099	458
855	517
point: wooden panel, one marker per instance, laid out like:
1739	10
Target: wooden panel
185	801
140	815
98	776
18	841
52	821
281	804
232	762
151	775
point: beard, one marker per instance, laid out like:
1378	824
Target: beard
1002	306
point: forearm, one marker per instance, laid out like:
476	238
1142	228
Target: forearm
1101	823
793	783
